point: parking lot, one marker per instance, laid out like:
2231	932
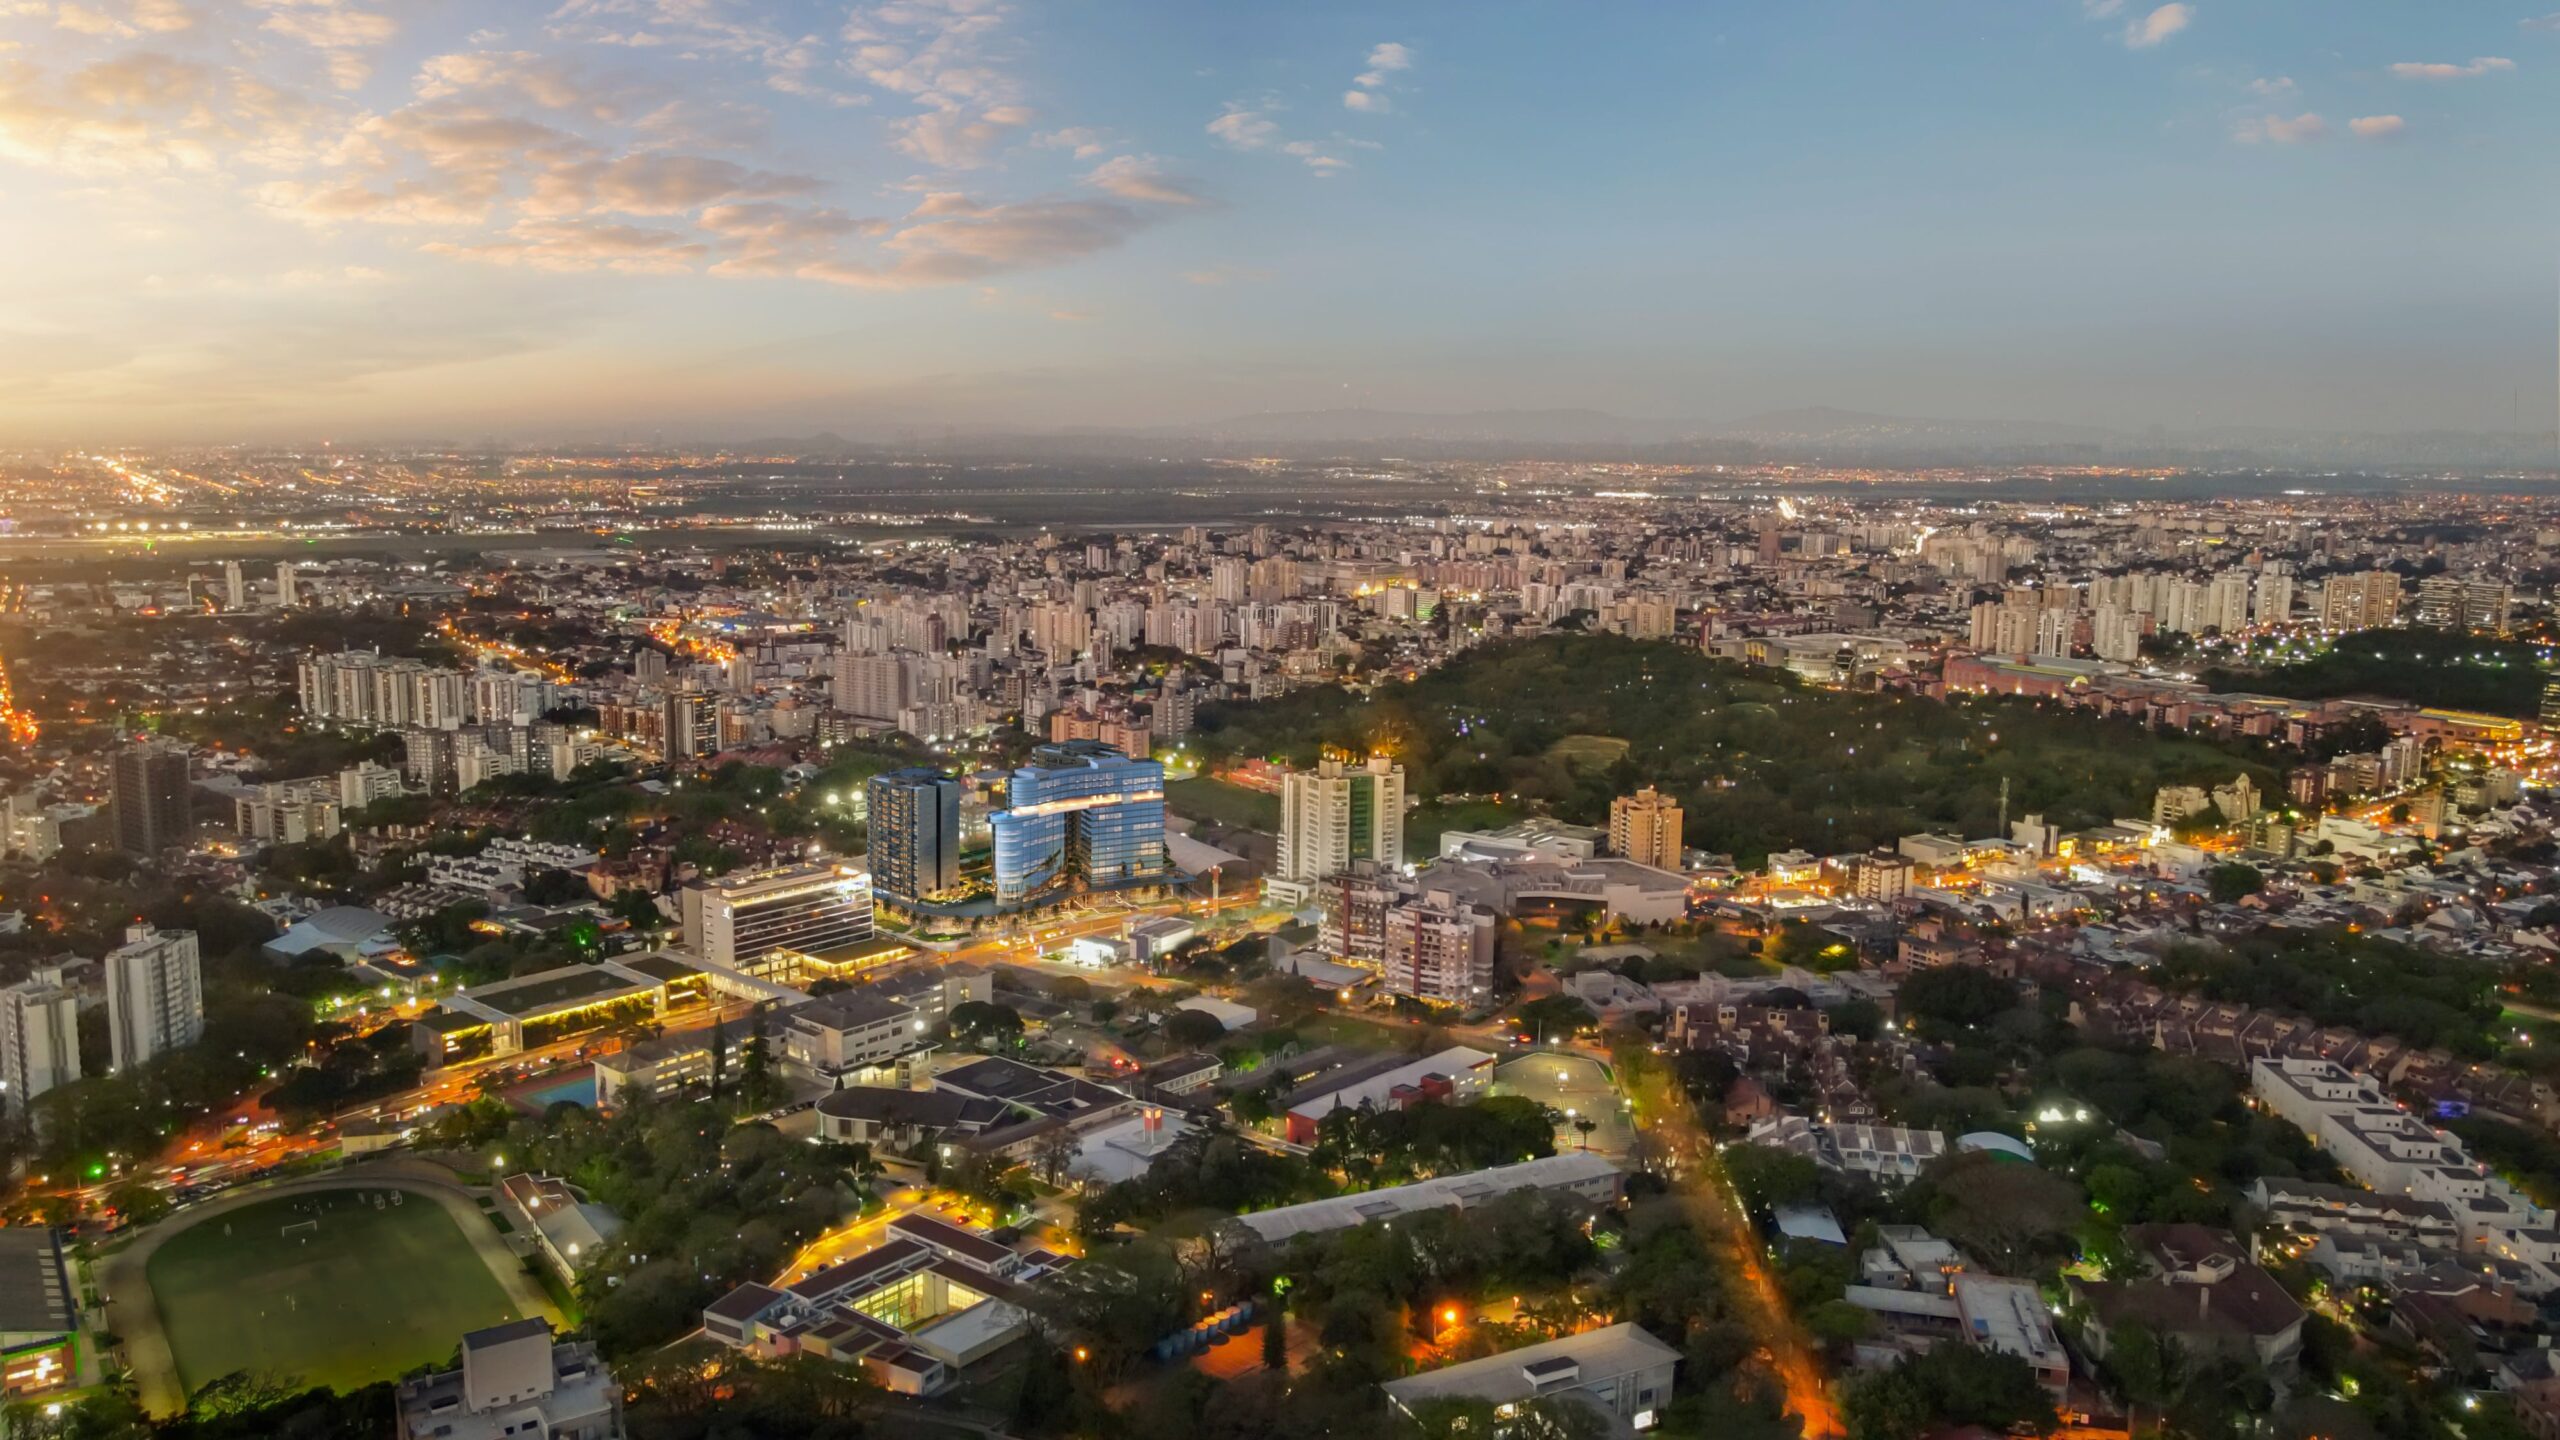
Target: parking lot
1576	1087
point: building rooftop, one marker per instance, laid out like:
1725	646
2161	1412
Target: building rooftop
35	1289
1541	1369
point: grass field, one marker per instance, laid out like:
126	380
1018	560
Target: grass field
1424	823
368	1295
1222	803
1589	752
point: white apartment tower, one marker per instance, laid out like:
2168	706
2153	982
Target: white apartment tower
39	1036
1338	813
155	995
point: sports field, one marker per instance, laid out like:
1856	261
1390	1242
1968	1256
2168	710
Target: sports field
364	1295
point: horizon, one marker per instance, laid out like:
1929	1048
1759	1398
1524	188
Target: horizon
330	220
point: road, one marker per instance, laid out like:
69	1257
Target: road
1701	1185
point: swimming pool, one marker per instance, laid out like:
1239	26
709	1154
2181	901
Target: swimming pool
578	1089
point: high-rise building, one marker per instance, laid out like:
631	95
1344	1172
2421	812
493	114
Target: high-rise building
235	587
915	833
874	687
739	919
39	1036
2362	601
1439	949
287	584
693	724
1079	813
2275	594
2551	702
2450	602
155	995
1338	813
149	795
1645	827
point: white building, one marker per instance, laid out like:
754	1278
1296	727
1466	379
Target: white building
1337	813
1621	1371
155	995
2391	1151
39	1036
517	1381
739	919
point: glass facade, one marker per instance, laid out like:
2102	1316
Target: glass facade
1080	811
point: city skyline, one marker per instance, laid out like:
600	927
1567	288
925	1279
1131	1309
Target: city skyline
352	221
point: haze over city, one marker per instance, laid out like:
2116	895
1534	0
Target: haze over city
296	220
1463	720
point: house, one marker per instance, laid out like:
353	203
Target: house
1622	1372
892	1119
855	1037
1886	1154
2204	1293
515	1380
565	1229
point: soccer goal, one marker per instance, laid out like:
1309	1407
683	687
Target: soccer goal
304	1228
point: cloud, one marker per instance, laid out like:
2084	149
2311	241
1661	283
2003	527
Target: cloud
656	184
2440	70
2277	130
954	140
1366	89
1317	157
2541	22
450	200
1142	178
2376	127
144	113
2271	86
1241	127
1081	141
342	35
581	245
1244	129
2158	26
535	79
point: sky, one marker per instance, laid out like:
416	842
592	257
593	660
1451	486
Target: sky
360	220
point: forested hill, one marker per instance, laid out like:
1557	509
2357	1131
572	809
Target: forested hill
1761	761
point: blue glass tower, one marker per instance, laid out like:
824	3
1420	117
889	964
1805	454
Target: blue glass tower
1080	811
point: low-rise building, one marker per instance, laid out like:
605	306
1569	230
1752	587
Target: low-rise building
1621	1371
515	1381
1457	1073
1578	1175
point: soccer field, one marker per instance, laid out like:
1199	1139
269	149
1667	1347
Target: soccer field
363	1296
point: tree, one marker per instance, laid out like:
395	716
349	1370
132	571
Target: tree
756	1085
2229	882
1052	1153
1193	1029
2002	1210
1275	1339
986	1020
138	1203
1552	1016
1766	1177
1956	996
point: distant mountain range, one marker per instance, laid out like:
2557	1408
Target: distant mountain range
1817	433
